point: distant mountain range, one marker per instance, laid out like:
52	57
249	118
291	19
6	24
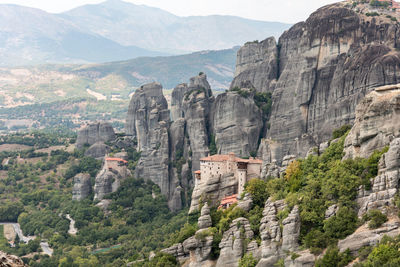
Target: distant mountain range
111	81
116	30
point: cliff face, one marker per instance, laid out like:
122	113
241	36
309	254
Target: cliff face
326	66
237	124
258	63
148	123
95	133
196	109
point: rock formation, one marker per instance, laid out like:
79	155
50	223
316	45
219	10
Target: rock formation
376	124
258	63
109	179
97	150
213	190
178	94
291	230
94	133
7	260
196	109
148	122
326	65
233	245
270	233
82	186
369	237
237	124
204	220
385	185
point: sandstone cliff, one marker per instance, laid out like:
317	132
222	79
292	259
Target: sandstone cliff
257	62
236	124
148	122
82	186
93	133
327	64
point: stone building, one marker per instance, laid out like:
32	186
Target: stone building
221	165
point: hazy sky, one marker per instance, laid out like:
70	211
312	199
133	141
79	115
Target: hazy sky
268	10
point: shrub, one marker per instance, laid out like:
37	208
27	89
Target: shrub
341	131
375	217
248	261
258	191
342	224
333	258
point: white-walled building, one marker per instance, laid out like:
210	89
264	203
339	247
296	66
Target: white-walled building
220	165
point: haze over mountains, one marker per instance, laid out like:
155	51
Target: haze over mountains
116	30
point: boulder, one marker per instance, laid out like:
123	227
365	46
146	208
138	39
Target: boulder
204	220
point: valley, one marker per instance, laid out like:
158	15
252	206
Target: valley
289	157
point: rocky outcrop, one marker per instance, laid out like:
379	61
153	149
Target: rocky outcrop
213	190
237	124
196	108
271	235
257	63
178	251
148	122
376	123
97	150
305	259
291	230
233	245
275	244
94	133
385	185
82	186
109	179
7	260
326	65
246	203
204	220
177	96
369	237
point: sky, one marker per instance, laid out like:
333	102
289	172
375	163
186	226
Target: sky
290	11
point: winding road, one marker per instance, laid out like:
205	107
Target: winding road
17	228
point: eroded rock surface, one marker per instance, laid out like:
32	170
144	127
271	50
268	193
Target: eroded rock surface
196	108
233	243
385	185
7	260
257	62
327	64
148	122
237	124
82	186
94	133
376	124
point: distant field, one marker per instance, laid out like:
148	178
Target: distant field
13	147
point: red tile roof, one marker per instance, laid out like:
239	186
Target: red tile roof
229	199
116	159
197	172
